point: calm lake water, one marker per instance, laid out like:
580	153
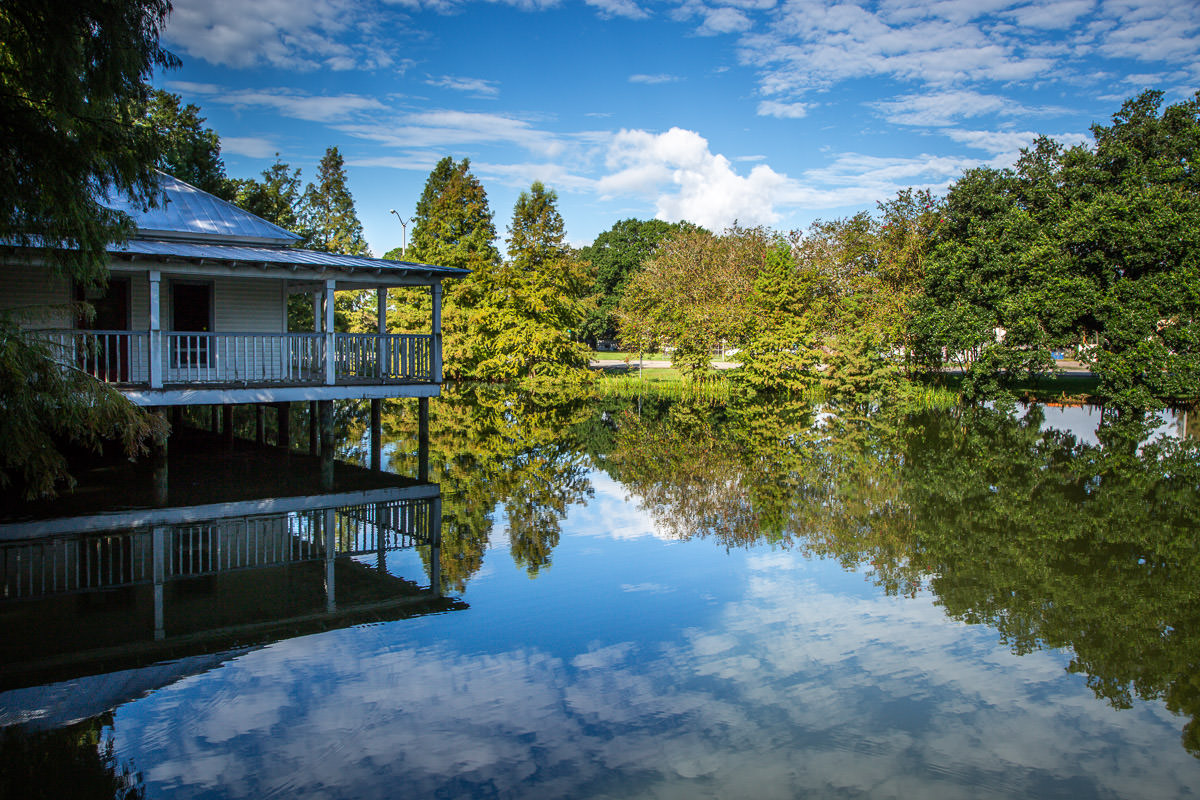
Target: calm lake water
664	599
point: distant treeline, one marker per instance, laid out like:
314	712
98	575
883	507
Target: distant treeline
1088	252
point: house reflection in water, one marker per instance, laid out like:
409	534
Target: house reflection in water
242	549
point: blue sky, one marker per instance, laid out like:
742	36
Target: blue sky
762	111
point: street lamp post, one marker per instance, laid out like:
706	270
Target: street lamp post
404	233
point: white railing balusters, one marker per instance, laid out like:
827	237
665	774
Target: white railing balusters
245	358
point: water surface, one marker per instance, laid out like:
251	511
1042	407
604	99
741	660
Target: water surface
694	601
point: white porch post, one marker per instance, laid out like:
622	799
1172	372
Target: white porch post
330	365
156	359
436	366
381	352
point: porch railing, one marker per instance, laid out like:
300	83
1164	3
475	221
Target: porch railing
292	358
192	358
363	356
111	356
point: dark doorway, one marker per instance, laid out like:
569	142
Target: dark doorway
191	312
106	353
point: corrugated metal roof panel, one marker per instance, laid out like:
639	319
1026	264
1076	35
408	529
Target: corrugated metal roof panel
281	256
191	212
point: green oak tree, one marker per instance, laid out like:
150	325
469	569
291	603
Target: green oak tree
275	197
1092	249
616	256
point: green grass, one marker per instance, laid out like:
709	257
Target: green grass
601	355
660	383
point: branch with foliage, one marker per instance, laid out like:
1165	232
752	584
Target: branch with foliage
73	82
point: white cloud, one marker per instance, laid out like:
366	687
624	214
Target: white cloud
678	172
555	176
1005	146
445	128
297	104
251	146
479	86
813	45
718	18
703	187
619	8
773	108
724	20
945	107
420	162
1051	15
289	34
661	77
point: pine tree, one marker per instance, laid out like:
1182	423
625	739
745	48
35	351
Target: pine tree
327	214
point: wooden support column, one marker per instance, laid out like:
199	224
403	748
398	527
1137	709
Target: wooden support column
330	558
382	351
176	418
314	435
376	435
436	329
422	438
283	425
260	435
158	461
158	556
381	518
326	415
435	547
227	424
155	354
213	425
327	314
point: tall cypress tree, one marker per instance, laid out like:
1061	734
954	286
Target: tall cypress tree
530	308
327	214
453	226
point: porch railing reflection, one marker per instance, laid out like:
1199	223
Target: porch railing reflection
64	564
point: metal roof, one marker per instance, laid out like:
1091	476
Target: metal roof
278	256
190	213
193	225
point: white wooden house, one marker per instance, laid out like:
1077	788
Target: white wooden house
195	313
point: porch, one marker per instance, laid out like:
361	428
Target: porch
172	360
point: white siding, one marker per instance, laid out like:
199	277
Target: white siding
139	300
34	289
248	306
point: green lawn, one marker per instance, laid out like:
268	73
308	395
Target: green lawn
602	355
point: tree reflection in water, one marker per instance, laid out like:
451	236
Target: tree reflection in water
490	447
1052	540
77	761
